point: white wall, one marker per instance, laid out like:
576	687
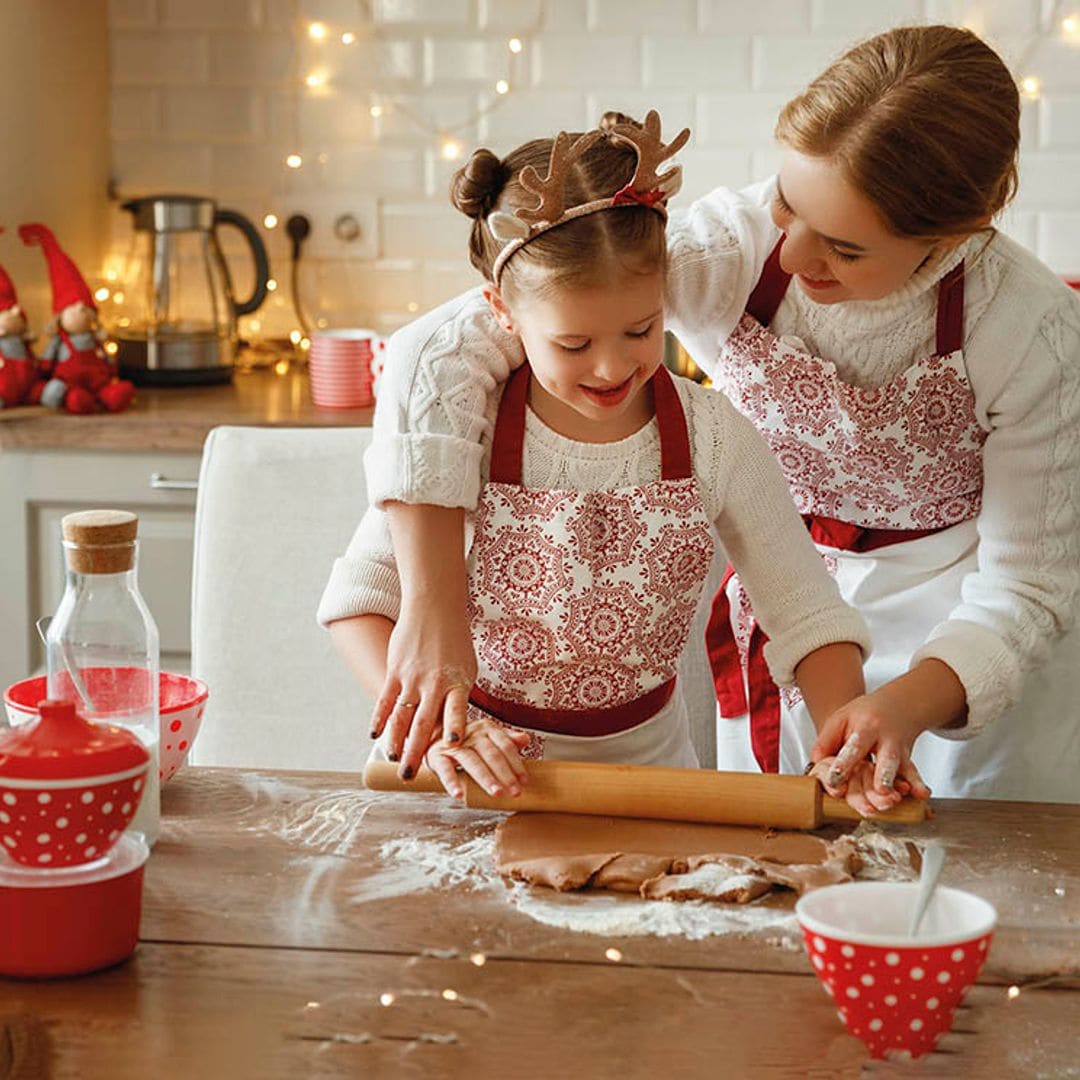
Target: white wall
55	137
209	96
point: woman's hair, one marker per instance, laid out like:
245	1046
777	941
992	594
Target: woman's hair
589	250
924	121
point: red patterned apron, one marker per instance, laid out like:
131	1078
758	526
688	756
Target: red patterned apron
581	601
869	469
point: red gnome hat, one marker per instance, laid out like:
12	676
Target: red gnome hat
8	299
68	285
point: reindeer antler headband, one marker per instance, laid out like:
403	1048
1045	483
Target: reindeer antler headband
646	187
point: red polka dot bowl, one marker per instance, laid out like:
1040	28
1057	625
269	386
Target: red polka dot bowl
68	787
895	993
181	704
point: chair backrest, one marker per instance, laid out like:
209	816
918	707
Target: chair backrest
275	506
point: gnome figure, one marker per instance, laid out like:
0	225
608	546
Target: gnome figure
20	381
83	378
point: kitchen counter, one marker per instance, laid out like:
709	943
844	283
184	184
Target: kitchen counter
178	418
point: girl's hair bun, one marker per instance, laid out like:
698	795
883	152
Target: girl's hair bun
611	119
477	184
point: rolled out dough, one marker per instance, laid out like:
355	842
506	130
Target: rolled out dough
667	860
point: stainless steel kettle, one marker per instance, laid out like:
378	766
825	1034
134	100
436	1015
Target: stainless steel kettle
174	321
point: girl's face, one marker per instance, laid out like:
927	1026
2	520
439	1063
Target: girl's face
838	246
592	350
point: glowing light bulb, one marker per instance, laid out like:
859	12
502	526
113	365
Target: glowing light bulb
348	38
376	111
295	337
386	1000
502	87
111	275
514	44
1071	24
271	284
1014	992
101	294
305	343
317	31
450	150
111	348
270	221
613	955
412	305
1030	86
450	995
294	161
118	297
316	80
478	958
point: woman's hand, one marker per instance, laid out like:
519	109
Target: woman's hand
430	669
489	752
863	750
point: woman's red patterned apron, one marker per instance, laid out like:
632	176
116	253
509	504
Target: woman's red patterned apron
877	473
581	601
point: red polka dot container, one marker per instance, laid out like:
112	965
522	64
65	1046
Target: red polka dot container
68	788
897	994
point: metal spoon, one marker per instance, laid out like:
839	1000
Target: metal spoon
933	858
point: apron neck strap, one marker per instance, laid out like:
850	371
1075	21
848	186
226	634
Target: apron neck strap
770	288
508	442
950	312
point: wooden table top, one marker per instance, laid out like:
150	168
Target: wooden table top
178	418
274	928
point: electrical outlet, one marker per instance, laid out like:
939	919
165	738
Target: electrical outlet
328	239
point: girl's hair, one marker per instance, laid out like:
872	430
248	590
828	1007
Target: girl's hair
924	121
589	250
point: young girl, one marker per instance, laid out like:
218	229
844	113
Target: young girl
606	477
919	384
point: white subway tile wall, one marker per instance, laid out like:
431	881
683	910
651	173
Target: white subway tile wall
211	96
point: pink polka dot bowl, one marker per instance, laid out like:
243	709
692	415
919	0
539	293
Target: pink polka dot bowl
68	787
895	993
181	704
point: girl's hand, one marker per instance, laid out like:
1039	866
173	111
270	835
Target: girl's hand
859	789
430	669
490	753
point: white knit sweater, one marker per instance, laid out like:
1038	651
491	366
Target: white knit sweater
1021	348
743	492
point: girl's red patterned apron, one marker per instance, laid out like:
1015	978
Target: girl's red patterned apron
889	481
581	601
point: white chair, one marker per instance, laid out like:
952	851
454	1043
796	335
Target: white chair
275	506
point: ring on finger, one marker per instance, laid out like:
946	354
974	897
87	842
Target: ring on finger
401	703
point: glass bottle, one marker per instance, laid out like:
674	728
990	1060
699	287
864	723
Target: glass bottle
102	649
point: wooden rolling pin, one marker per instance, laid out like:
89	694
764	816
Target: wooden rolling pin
729	798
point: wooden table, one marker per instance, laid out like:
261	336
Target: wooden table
273	928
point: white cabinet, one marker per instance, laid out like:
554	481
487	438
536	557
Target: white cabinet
38	487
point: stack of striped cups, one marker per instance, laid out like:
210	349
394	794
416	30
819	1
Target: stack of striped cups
340	365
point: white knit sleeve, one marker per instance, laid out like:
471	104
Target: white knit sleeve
716	250
441	373
364	581
795	600
1023	594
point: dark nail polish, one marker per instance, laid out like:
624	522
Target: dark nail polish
391	755
407	772
453	737
374	733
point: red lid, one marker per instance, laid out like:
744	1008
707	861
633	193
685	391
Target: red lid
60	745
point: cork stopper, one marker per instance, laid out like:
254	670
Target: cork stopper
100	541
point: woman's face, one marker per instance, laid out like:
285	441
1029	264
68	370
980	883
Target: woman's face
838	246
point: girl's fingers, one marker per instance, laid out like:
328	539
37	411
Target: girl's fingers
856	797
821	771
511	752
398	726
447	773
911	775
887	766
497	762
477	768
455	713
829	738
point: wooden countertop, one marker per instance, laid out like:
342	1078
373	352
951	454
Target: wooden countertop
178	418
278	941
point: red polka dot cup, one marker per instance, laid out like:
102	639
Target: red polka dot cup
897	994
68	787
